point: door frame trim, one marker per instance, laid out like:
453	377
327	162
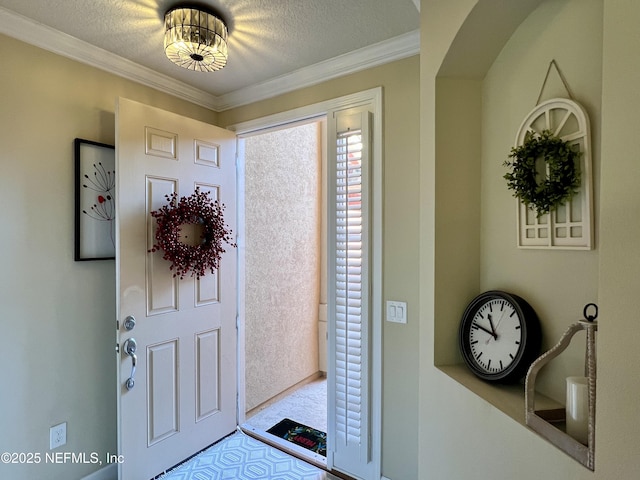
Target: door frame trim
305	114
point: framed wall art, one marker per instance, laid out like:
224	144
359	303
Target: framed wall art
95	206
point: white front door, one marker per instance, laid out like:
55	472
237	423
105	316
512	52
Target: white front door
183	395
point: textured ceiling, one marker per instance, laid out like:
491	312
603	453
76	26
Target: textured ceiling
267	38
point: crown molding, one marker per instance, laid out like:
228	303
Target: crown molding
396	48
47	38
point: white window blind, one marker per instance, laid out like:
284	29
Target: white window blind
349	286
349	295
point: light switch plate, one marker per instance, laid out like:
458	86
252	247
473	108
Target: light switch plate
396	311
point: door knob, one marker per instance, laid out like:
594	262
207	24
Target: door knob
129	348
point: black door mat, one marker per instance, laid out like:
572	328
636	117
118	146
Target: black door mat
301	435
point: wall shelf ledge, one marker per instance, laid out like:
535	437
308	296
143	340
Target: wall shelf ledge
509	399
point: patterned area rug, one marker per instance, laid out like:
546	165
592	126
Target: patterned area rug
240	457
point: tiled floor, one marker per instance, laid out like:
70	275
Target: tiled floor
307	405
241	457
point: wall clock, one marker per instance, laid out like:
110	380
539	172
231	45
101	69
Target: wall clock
499	336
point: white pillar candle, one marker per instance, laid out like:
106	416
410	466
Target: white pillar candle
578	408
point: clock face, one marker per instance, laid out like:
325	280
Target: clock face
499	336
495	335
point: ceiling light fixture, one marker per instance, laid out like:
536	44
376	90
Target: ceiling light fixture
195	39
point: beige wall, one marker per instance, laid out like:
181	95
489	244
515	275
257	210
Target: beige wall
282	260
58	318
58	354
460	433
571	33
619	363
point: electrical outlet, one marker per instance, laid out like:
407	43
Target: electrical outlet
58	435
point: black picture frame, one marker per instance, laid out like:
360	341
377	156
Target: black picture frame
95	205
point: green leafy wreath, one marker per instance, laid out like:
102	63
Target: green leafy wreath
198	208
562	180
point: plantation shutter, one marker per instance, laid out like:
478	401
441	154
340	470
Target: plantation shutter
349	290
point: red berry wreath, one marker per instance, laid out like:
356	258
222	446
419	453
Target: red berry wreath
195	209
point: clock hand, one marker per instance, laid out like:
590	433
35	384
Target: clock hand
493	329
499	322
484	329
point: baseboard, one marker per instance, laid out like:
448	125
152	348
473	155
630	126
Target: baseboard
384	478
110	472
